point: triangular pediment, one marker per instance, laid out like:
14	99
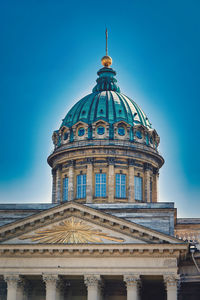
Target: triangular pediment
73	223
74	230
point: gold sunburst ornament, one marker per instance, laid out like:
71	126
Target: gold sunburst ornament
70	231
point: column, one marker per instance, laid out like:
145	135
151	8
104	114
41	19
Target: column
15	287
71	182
111	179
155	185
132	286
93	287
147	168
58	184
89	186
131	189
53	185
51	283
171	283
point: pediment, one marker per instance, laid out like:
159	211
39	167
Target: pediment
73	223
73	230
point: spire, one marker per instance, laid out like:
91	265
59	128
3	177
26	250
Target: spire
106	60
106	42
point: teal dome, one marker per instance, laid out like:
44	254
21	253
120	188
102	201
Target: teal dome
107	103
105	114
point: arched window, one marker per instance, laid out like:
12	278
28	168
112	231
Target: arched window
120	184
81	131
81	186
100	130
65	189
138	188
121	130
100	185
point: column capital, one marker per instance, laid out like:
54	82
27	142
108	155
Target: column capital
148	167
131	162
171	280
90	160
155	171
111	160
53	171
50	278
14	280
91	280
131	279
71	163
59	167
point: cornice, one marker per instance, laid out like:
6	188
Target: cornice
135	147
106	250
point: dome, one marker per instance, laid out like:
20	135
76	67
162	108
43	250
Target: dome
109	106
106	114
105	149
106	103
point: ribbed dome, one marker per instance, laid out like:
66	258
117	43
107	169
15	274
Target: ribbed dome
106	103
109	106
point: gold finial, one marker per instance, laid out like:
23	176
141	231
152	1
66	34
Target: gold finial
106	60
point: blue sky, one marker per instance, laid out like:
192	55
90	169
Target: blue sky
49	55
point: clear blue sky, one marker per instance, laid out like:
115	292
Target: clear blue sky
49	55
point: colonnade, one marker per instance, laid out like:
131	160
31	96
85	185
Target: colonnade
17	288
148	195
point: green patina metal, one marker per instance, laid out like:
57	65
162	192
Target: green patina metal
107	103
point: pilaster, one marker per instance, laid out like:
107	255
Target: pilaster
71	182
147	168
53	185
132	285
111	179
155	185
89	186
131	190
58	184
